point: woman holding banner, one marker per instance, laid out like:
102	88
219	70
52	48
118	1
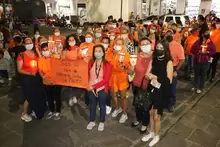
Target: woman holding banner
71	52
120	60
31	82
99	75
53	92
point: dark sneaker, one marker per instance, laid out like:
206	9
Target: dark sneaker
171	109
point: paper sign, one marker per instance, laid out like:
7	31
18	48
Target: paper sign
121	57
69	73
133	60
85	52
210	60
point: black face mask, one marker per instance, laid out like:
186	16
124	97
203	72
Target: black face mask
159	53
206	36
169	38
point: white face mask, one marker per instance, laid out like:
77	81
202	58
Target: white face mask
72	43
146	48
124	36
155	21
29	46
112	38
36	36
88	40
57	33
178	30
79	31
117	47
218	26
46	53
105	45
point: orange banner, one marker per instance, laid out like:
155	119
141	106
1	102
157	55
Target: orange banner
69	73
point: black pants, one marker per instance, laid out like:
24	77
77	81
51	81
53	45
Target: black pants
53	93
200	74
142	115
213	65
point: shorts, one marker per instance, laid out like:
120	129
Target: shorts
119	82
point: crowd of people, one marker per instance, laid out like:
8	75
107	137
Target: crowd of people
119	55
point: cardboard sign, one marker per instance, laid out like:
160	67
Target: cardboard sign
69	73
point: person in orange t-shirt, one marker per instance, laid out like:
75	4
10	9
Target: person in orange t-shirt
177	29
120	60
87	47
188	55
215	37
71	52
57	36
30	81
52	91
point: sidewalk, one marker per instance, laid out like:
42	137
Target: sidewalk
70	130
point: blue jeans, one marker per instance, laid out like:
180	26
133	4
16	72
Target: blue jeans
188	65
102	98
109	98
200	75
172	101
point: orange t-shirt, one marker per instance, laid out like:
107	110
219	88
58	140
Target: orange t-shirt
62	38
177	52
114	60
177	37
215	37
29	64
89	46
189	43
72	54
44	68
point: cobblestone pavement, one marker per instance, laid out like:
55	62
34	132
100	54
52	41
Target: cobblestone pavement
195	122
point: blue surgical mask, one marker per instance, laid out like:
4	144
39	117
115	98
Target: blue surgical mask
99	55
146	48
29	46
98	35
117	48
105	45
88	40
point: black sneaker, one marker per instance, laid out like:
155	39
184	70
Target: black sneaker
171	109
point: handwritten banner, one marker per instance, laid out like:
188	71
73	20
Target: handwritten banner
69	73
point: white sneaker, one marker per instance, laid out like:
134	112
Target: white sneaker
198	91
154	141
50	115
33	115
74	100
26	117
148	137
71	101
57	116
193	89
108	110
90	125
101	127
116	112
123	118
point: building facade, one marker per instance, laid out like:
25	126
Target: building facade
98	10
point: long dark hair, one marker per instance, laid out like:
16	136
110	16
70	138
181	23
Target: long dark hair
66	44
93	54
167	53
201	36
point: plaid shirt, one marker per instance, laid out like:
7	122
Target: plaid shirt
130	47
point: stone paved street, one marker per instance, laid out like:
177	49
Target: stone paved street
195	123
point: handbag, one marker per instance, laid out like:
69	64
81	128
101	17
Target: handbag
142	98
